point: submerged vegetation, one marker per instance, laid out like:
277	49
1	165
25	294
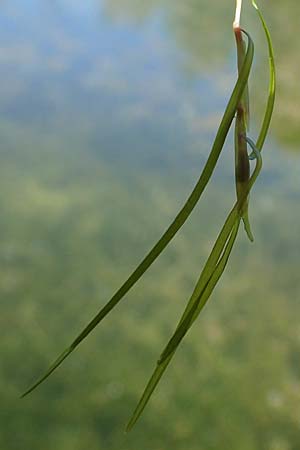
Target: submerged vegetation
237	109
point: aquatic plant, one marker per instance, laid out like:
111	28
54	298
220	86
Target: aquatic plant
236	110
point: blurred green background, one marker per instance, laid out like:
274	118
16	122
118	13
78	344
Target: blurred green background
108	111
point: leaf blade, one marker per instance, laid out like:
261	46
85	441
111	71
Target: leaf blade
193	307
272	85
177	223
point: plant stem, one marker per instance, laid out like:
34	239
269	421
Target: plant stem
237	18
242	166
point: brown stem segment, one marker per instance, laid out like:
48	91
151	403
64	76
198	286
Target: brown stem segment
242	165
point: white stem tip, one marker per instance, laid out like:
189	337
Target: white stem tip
237	18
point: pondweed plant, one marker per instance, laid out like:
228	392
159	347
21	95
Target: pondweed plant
237	109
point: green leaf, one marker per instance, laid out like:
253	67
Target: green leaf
272	86
202	292
179	220
208	279
181	331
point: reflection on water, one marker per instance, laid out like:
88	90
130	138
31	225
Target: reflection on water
202	29
79	54
107	113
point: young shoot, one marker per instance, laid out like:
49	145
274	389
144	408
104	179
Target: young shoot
236	110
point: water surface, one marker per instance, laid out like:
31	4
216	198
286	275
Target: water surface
108	112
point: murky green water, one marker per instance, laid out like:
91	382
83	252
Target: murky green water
108	111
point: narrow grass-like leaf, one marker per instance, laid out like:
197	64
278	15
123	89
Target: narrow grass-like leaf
185	324
215	256
209	277
179	220
272	86
152	383
200	298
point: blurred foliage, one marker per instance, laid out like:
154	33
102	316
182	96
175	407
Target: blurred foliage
72	227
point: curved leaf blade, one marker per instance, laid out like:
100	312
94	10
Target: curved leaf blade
178	222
